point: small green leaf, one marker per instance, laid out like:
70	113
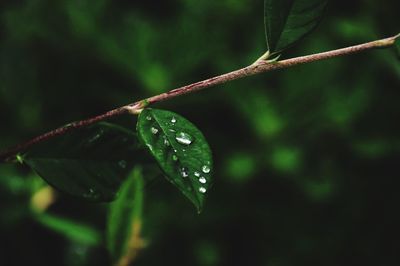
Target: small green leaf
90	162
125	216
70	229
180	150
288	21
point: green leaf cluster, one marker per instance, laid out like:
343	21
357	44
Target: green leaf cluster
275	135
94	161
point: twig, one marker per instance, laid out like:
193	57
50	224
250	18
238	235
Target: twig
260	66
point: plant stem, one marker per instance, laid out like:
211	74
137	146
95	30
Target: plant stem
260	66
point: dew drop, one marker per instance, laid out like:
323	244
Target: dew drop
150	147
173	120
154	130
94	138
91	194
174	157
97	136
148	118
197	174
166	142
202	190
206	169
202	180
122	164
183	138
184	172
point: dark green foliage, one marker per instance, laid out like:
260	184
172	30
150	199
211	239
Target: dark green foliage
288	21
306	158
72	230
180	150
89	163
123	213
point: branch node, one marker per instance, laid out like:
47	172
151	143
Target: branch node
133	110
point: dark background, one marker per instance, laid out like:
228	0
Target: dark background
306	159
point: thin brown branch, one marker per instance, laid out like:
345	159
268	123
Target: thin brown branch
261	66
7	155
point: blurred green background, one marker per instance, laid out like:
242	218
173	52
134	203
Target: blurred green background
306	159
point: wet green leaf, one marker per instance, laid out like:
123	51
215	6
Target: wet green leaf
180	150
71	229
89	163
125	216
288	21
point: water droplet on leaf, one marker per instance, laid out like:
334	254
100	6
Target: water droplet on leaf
95	137
184	172
150	147
148	118
206	169
202	190
174	157
202	180
166	142
197	174
173	120
183	138
154	130
91	194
